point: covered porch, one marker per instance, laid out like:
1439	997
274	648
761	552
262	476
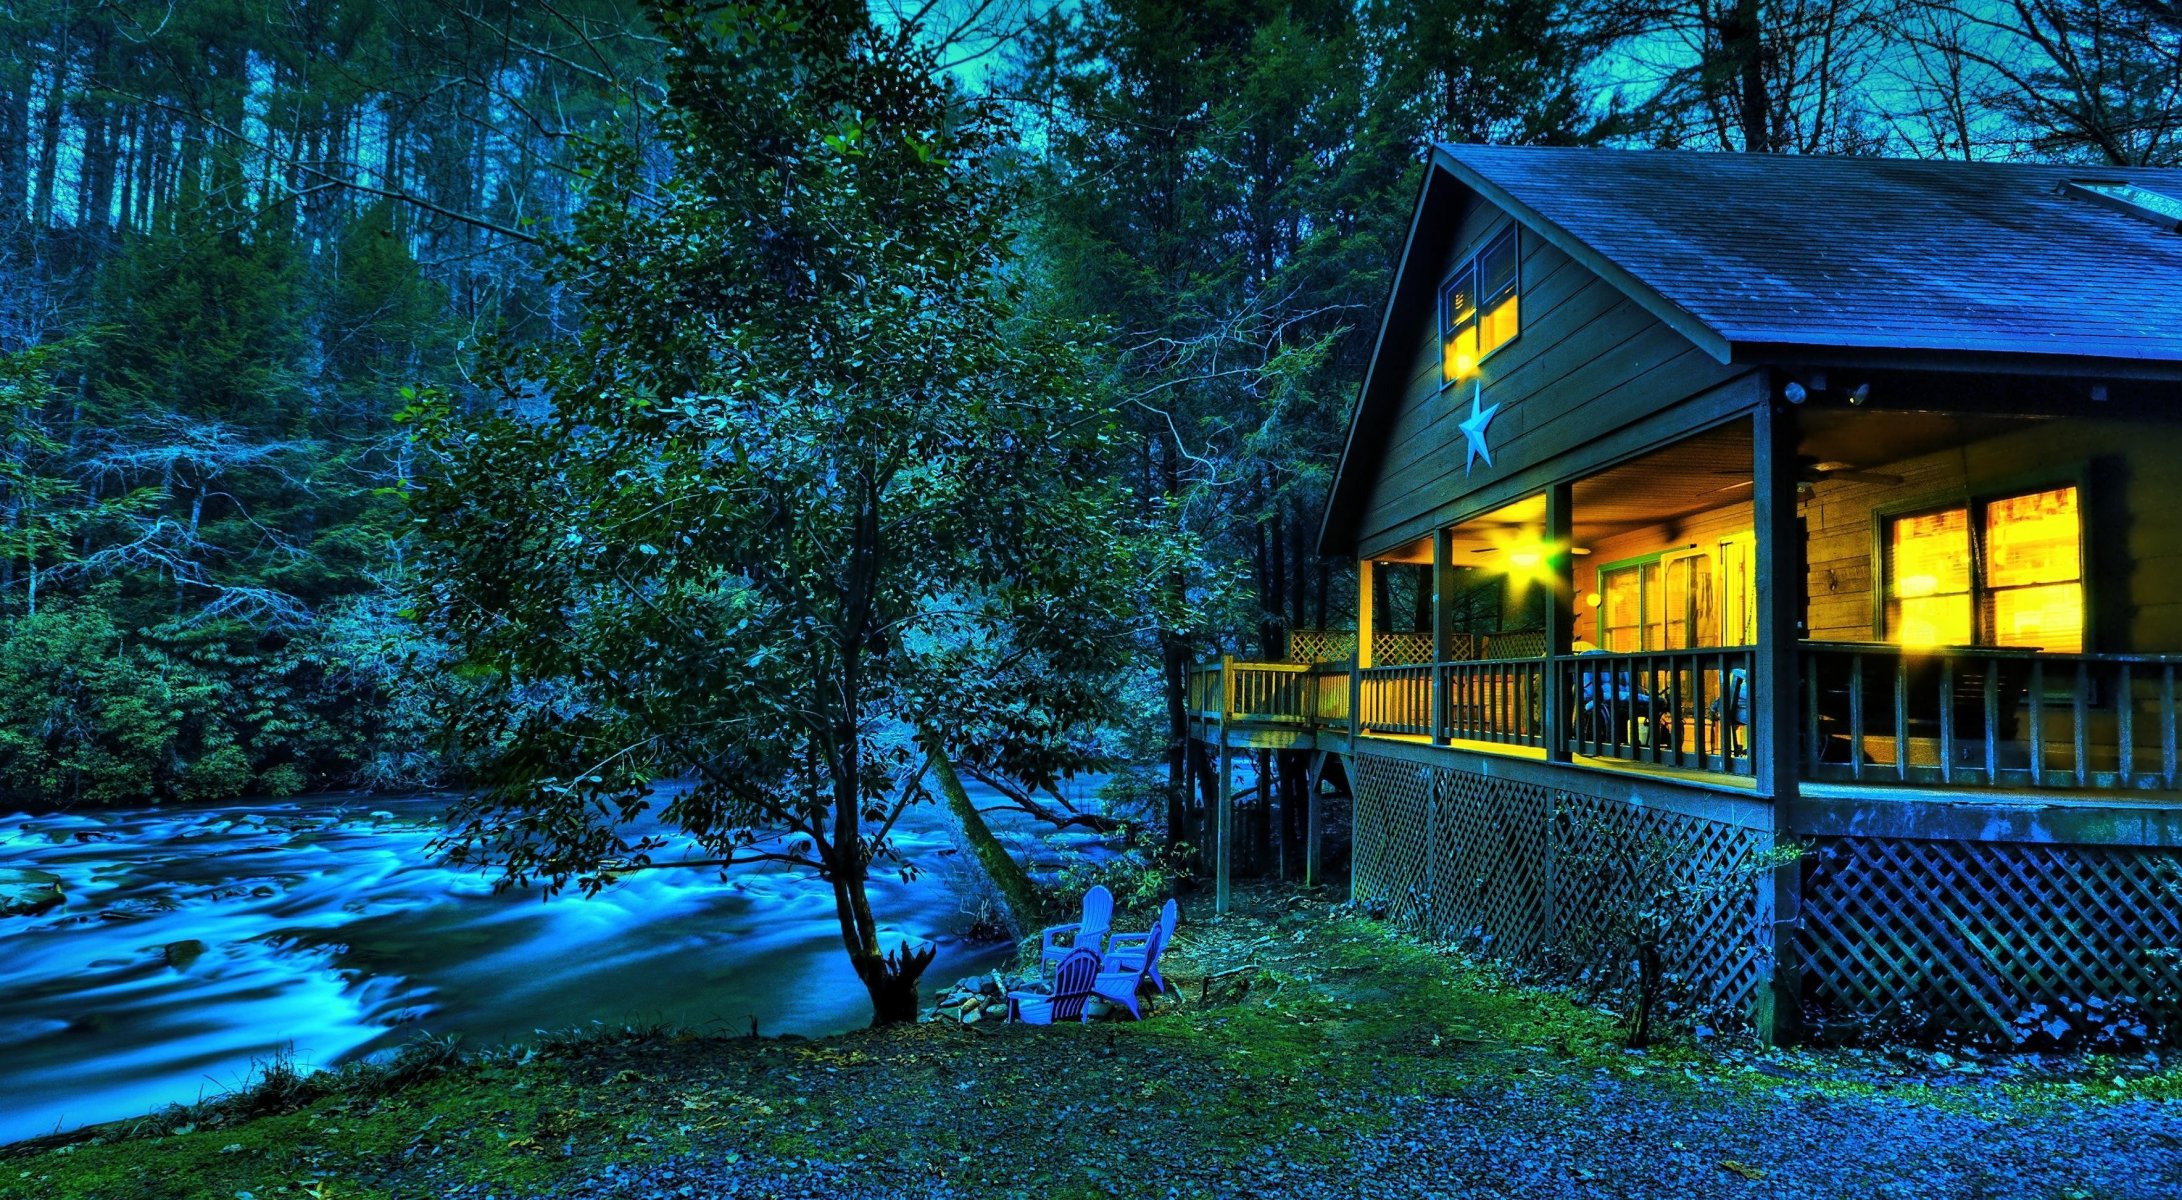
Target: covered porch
1953	605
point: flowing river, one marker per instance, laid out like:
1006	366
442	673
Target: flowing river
196	941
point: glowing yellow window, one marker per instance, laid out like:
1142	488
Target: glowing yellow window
2011	575
1928	579
1479	307
1497	272
2034	571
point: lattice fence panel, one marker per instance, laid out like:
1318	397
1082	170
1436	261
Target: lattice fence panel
1491	850
1400	649
1553	879
2018	942
1617	861
1321	645
1393	801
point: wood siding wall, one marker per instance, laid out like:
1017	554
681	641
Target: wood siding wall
1588	360
2133	521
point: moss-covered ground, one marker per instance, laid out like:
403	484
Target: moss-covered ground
1307	1052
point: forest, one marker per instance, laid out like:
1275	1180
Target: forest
267	264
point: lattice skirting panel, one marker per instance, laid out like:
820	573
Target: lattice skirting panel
2024	943
1564	880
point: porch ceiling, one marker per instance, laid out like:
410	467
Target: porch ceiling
1708	471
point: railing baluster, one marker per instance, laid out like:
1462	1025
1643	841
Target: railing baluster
2125	713
1947	718
2080	719
1901	719
1814	752
1856	717
2037	723
1992	722
2166	725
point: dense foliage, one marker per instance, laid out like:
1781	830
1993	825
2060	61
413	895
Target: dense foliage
231	231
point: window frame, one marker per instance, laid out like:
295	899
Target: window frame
1714	552
1976	499
1510	232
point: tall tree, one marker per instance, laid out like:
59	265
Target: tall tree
804	456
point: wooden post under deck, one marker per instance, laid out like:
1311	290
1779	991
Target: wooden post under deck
1310	817
1223	816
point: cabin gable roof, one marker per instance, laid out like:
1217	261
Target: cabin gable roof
1765	258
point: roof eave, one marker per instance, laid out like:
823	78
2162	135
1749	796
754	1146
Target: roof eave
2158	363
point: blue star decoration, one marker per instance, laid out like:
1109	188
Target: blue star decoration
1474	429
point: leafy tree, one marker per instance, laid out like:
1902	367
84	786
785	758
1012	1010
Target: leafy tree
804	465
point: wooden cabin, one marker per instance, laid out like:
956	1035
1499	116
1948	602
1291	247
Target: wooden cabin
1786	552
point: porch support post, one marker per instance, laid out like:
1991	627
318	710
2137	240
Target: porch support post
1781	584
1560	615
1443	619
1224	812
1364	569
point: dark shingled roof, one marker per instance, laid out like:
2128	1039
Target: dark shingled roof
1783	251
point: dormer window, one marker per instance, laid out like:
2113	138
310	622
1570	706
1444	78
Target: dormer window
1478	307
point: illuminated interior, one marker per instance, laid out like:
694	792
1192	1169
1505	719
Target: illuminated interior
1480	307
1930	578
2028	581
2034	570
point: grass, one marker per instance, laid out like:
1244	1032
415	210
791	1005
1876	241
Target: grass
1292	1021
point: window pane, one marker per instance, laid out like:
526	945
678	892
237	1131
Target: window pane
1619	613
1741	623
2033	539
1933	621
1654	606
1458	303
1461	353
2047	617
1704	604
1497	327
1678	605
1496	269
1931	554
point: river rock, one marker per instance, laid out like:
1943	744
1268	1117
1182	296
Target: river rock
180	955
26	893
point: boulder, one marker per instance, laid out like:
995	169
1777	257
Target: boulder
180	955
26	893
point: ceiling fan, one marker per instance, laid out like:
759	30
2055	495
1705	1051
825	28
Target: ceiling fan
1812	471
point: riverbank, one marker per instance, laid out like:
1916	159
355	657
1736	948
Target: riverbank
1310	1053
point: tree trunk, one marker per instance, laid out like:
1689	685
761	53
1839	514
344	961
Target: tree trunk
1021	895
1742	42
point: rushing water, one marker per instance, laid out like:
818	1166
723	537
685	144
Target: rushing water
196	941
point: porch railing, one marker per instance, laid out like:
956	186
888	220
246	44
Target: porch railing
1396	700
1880	713
1867	712
1688	709
1494	700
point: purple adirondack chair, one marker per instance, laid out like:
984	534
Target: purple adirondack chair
1086	934
1071	988
1130	951
1121	984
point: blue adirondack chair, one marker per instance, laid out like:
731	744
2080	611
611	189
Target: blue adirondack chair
1133	952
1087	934
1121	983
1072	985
